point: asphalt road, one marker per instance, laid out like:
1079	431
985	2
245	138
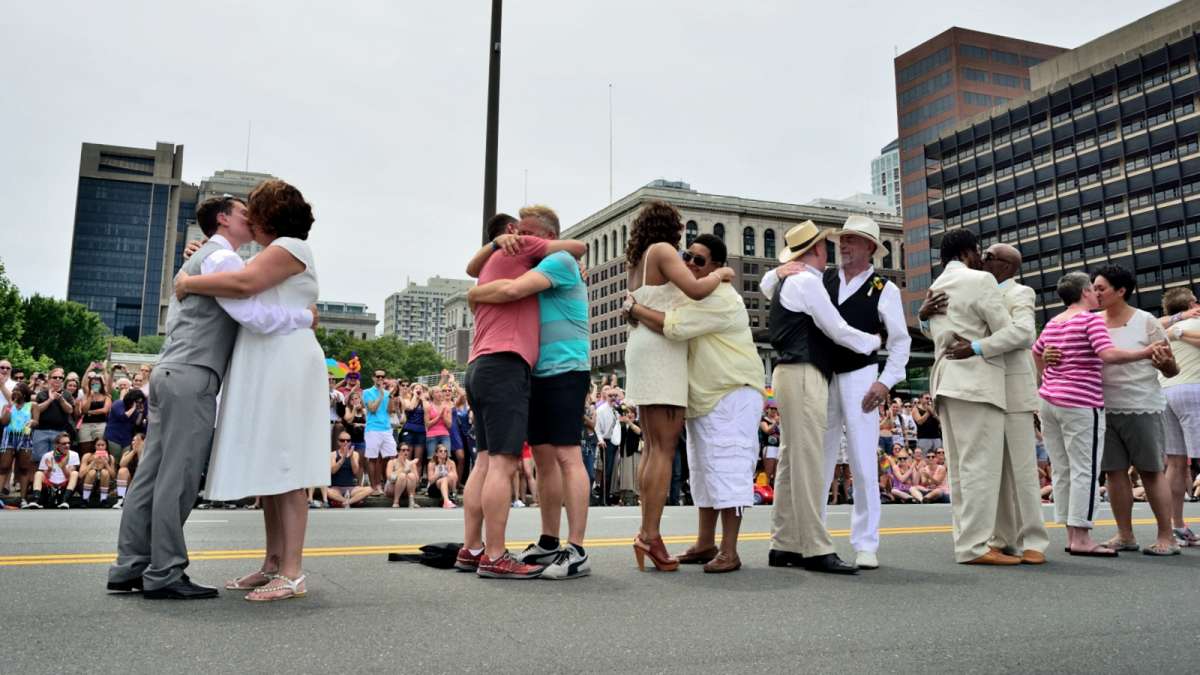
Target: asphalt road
919	612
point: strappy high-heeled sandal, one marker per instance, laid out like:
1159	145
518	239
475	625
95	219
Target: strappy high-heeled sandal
279	583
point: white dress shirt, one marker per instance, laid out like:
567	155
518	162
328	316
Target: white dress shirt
607	427
805	292
252	314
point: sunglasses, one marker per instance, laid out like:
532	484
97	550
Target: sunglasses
698	260
5	368
343	440
56	377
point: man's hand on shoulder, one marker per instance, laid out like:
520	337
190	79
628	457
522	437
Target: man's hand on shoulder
509	243
787	270
935	303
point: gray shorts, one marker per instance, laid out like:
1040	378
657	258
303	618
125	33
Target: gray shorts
1133	439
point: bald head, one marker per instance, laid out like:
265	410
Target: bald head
1002	261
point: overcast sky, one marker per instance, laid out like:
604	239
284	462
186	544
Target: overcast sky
376	110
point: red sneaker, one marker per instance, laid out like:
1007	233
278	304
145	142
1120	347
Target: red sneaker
506	567
466	562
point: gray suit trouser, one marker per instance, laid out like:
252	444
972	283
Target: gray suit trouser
183	409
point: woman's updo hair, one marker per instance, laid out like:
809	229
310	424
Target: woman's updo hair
279	209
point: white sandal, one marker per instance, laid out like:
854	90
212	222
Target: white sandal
280	583
241	583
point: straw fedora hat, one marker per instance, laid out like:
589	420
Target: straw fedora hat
861	226
799	239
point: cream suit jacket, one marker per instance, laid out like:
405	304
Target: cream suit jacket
1020	379
974	310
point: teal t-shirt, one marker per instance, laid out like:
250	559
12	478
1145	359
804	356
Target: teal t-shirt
563	343
378	420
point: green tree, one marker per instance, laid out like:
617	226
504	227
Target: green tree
149	344
423	359
388	353
12	329
64	331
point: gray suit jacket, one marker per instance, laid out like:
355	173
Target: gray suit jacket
974	311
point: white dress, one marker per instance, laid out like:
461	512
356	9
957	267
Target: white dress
656	368
272	430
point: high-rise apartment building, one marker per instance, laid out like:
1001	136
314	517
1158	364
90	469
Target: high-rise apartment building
752	229
885	174
416	313
1099	164
949	78
128	232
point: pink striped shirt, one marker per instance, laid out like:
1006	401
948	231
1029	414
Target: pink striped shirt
1075	382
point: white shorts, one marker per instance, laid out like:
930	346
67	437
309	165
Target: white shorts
722	450
1181	420
380	444
772	452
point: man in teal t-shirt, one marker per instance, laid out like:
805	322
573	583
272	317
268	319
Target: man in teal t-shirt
561	379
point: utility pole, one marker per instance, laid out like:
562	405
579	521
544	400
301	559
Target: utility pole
493	121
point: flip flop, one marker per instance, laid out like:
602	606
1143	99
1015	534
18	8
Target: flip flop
1094	553
1159	550
1122	546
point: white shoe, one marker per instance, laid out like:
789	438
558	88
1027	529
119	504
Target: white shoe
120	503
569	564
518	504
866	560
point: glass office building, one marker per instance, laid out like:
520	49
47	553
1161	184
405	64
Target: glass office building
1101	165
125	244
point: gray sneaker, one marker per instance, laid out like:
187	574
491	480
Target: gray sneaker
536	555
570	564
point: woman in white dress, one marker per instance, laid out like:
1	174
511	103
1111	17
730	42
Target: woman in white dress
272	434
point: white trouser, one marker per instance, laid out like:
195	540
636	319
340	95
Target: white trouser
846	392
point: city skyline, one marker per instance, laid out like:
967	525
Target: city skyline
334	120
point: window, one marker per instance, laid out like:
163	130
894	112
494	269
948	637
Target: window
972	98
920	91
975	75
912	72
973	52
887	255
624	237
1027	60
927	111
1006	80
748	241
719	231
769	244
917	259
605	249
1008	58
692	231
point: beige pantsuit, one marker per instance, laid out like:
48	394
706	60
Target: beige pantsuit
802	394
974	437
1019	521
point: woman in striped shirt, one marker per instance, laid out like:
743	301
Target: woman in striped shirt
1072	407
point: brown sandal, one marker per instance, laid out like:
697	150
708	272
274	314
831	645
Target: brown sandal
722	564
691	557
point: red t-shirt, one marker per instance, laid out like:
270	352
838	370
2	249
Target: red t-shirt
512	326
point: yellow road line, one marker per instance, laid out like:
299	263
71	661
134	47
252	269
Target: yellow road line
346	551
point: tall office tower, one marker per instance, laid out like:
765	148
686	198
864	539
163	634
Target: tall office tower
949	78
885	174
1099	164
126	234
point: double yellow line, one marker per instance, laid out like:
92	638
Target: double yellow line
346	551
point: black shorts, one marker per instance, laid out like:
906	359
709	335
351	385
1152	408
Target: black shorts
498	392
556	408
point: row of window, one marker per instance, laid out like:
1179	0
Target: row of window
925	65
919	91
927	111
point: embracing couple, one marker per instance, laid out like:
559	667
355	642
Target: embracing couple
244	330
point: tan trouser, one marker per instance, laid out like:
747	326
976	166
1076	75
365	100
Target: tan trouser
802	394
1019	521
974	437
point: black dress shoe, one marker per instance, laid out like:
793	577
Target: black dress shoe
779	558
184	589
829	563
133	585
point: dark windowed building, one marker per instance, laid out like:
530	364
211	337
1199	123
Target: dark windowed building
127	243
940	82
1099	164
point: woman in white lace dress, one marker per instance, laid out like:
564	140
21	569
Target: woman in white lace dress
272	430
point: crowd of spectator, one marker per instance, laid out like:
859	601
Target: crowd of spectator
74	442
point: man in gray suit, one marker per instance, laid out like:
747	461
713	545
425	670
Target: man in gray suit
1020	529
201	331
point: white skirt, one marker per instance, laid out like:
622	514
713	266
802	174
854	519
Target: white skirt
722	451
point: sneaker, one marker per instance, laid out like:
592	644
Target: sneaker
570	564
505	567
466	562
120	503
204	506
64	505
534	554
30	505
866	560
518	504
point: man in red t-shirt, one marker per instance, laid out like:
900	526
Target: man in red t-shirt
503	352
